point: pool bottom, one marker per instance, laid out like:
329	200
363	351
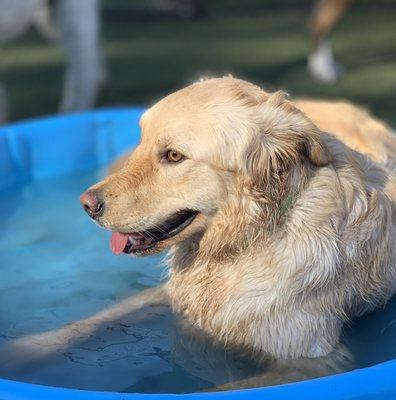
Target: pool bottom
57	268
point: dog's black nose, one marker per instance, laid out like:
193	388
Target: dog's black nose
93	203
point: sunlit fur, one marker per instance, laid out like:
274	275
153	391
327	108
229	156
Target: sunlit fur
296	231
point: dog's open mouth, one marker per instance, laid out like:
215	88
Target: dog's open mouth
136	242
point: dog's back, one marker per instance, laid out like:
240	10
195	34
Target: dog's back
373	158
355	127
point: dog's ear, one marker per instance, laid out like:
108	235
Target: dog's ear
302	128
284	134
316	151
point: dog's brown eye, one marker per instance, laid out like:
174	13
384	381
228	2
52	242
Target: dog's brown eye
173	156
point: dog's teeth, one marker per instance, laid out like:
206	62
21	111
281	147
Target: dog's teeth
133	241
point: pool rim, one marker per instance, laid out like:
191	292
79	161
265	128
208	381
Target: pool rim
373	382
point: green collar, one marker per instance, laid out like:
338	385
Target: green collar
287	203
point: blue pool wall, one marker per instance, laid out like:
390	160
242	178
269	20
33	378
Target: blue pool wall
46	147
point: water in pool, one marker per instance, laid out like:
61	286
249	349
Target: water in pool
56	268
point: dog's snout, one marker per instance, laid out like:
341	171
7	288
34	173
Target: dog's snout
93	203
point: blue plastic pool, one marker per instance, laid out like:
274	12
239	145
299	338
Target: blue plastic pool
42	150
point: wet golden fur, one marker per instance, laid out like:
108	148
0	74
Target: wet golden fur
296	230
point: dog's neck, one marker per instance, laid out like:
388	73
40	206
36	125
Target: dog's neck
250	217
201	268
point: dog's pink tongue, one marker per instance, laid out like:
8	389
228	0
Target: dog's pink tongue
118	242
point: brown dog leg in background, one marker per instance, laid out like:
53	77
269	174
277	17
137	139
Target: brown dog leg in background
325	16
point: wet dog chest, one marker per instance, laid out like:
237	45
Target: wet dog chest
199	296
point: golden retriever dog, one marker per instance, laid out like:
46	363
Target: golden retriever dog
279	216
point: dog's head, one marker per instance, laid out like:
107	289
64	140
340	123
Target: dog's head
196	144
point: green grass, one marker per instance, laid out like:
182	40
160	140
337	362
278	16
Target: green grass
148	59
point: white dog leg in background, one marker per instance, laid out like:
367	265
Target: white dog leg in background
16	17
78	28
321	64
79	24
43	21
325	16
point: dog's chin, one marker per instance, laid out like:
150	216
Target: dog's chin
173	230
